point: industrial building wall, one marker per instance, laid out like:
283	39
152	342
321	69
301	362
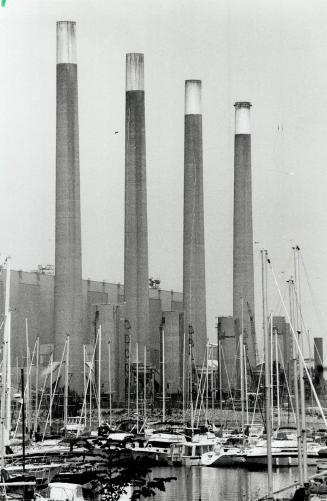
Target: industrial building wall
173	342
155	318
32	298
107	316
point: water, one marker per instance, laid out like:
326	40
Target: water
197	483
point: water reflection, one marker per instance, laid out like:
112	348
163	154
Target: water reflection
220	484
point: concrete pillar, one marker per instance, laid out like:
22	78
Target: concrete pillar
243	276
193	244
68	264
136	275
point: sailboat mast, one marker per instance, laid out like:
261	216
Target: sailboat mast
183	379
109	370
271	372
267	372
163	376
51	382
6	372
144	384
212	381
220	380
242	369
277	377
137	387
207	386
301	333
27	376
296	387
23	416
246	387
99	377
66	385
190	379
37	382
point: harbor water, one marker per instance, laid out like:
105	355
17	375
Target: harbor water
197	483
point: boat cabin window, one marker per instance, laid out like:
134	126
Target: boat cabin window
188	450
157	444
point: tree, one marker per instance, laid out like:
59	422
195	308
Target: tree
120	471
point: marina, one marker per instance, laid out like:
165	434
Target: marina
146	146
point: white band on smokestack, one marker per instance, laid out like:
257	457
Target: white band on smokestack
134	71
66	42
193	104
242	118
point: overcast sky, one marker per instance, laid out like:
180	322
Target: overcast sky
272	53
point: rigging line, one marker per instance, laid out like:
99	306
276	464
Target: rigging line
25	389
306	331
199	389
256	395
235	363
313	297
253	381
229	387
298	347
286	380
278	305
88	381
42	393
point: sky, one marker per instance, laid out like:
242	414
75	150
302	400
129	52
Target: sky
272	53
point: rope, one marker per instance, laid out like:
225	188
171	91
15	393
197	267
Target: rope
229	388
298	346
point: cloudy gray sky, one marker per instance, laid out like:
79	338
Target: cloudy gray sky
273	53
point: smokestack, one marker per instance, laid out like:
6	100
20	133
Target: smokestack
193	245
136	275
243	275
68	263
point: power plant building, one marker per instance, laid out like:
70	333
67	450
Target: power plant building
32	300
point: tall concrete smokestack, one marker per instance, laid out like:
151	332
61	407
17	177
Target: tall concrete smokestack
243	276
68	262
193	246
136	275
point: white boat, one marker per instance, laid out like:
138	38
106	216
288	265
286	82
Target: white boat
63	491
192	452
40	471
284	453
158	449
223	456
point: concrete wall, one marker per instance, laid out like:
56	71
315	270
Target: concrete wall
32	298
173	350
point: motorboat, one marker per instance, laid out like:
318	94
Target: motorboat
284	453
223	456
157	449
